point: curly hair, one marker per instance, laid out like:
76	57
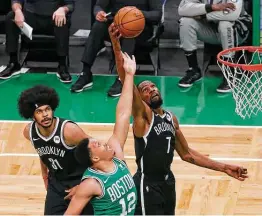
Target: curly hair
35	97
83	153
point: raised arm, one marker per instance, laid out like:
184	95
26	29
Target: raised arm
140	110
124	108
189	155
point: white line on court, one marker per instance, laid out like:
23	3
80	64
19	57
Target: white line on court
182	125
133	157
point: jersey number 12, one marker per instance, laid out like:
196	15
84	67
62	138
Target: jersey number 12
130	203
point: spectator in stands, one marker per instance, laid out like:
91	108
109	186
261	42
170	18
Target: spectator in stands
152	10
222	23
41	15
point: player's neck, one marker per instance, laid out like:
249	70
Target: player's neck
159	111
105	166
46	132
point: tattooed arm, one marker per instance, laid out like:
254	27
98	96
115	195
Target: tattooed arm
189	155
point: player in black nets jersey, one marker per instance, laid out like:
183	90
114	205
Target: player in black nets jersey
157	134
55	140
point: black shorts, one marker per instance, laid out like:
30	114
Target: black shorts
55	203
156	197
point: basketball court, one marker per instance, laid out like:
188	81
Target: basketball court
208	121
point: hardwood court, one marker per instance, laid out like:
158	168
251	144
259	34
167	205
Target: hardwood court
199	191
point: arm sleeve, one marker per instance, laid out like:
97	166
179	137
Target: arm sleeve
70	4
191	8
18	1
154	14
101	5
230	16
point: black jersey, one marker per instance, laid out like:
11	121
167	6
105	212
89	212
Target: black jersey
155	150
55	154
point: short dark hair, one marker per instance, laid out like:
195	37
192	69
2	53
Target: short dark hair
34	97
83	153
142	82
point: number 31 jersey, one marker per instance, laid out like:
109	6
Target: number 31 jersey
55	154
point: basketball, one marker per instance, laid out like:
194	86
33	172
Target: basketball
130	22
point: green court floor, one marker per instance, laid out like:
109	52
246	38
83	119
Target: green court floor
198	105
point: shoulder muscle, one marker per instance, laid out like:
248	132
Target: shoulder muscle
73	134
26	131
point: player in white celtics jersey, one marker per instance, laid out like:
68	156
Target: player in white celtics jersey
107	183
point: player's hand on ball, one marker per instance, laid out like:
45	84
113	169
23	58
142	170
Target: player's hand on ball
223	7
236	172
71	192
114	32
129	64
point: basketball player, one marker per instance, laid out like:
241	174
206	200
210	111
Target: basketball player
107	183
55	140
157	134
218	22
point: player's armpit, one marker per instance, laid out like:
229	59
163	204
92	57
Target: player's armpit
73	134
85	191
114	36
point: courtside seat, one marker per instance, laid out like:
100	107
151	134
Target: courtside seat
41	49
211	51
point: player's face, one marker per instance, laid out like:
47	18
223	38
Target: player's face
44	116
150	94
101	150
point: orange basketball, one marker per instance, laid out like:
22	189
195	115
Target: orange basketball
130	21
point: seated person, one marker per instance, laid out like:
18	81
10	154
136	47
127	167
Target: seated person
217	23
152	10
44	16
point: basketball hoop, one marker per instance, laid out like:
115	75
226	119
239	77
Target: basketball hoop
242	68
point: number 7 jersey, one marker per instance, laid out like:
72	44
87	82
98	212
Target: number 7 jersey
119	196
155	150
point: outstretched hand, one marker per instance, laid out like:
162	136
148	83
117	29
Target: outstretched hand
236	172
129	64
114	32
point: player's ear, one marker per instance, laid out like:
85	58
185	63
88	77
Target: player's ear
95	159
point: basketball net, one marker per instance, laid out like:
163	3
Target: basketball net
244	78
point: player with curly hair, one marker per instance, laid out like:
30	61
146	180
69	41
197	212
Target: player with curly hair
55	140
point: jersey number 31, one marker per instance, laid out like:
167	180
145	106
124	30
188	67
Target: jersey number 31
55	164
